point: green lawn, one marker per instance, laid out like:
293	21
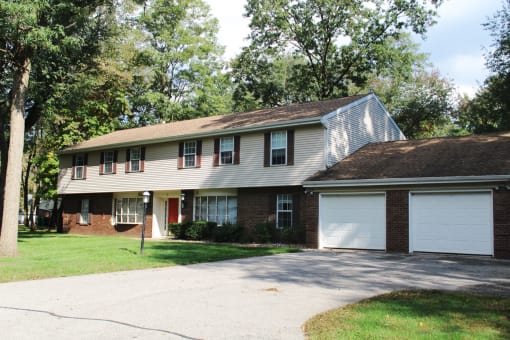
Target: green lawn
43	255
416	315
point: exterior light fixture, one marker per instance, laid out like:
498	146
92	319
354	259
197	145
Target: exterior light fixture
146	199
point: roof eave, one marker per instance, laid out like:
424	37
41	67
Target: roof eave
278	125
346	183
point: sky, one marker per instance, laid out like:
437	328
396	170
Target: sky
456	44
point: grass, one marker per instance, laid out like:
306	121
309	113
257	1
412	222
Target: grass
416	315
44	255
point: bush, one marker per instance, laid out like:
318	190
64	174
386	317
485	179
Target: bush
177	230
228	232
293	235
265	232
199	230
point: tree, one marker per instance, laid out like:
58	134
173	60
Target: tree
39	37
489	110
177	72
335	43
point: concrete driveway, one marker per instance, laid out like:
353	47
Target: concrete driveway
256	298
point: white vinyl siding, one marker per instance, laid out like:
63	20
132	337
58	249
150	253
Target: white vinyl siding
353	127
162	158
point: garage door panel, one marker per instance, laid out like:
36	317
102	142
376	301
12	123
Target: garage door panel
452	222
353	221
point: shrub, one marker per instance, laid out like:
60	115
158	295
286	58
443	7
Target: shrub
265	232
292	235
199	230
228	232
176	230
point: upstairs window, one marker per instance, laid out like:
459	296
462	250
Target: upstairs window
227	150
284	208
80	166
135	159
108	162
190	152
279	148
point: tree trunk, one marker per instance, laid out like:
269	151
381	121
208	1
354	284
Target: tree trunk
4	148
9	236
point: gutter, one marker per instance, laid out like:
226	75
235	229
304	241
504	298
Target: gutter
346	183
214	133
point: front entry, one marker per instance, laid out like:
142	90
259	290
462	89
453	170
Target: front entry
173	210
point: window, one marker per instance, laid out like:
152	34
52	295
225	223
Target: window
283	210
219	209
227	150
190	151
134	158
129	210
84	211
79	166
279	148
108	161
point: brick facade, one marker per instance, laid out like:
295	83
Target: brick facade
258	205
397	221
311	220
501	201
100	214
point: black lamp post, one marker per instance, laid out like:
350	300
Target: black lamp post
146	199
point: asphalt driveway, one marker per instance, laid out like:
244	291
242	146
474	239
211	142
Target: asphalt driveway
256	298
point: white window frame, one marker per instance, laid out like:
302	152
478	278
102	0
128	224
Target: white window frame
108	160
79	166
122	215
85	211
136	161
226	149
274	134
190	153
280	200
198	205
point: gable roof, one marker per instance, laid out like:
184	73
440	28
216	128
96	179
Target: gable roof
477	155
289	115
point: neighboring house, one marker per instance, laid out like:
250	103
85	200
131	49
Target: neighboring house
446	195
245	168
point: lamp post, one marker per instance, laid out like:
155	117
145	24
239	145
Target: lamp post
146	198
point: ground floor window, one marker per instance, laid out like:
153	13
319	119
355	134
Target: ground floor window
283	210
129	210
219	209
84	211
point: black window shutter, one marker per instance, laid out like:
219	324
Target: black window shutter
128	160
101	164
290	147
85	163
115	161
216	156
142	158
199	154
237	149
267	149
180	163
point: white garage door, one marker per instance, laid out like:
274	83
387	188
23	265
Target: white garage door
451	222
353	221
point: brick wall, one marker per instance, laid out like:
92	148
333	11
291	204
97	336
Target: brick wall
501	201
397	221
311	220
258	205
100	217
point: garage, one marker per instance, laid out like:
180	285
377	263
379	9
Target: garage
356	221
451	222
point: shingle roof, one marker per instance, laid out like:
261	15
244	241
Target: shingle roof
477	155
258	118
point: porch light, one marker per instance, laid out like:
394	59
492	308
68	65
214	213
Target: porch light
146	199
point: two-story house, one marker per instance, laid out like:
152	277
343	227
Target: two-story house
242	168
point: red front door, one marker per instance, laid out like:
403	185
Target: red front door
173	210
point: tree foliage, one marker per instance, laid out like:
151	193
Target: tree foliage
334	44
489	110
